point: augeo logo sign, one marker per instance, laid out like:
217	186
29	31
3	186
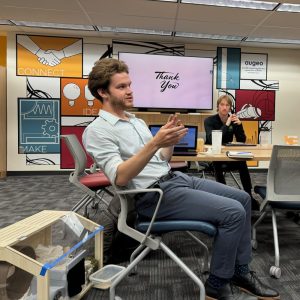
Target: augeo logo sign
253	63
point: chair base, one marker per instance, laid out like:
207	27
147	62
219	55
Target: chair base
172	255
86	200
275	270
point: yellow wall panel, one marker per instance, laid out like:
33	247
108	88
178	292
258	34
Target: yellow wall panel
3	51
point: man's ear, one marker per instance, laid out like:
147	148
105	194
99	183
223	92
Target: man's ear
101	92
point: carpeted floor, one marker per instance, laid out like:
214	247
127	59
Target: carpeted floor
157	277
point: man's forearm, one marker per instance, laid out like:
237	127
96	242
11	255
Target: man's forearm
166	153
135	164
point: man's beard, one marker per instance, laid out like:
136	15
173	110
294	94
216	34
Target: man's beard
119	104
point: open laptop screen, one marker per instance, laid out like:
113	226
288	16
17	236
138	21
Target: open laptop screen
187	143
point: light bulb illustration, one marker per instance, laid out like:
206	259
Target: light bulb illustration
71	92
88	96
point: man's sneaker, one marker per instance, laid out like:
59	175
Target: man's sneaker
226	292
251	284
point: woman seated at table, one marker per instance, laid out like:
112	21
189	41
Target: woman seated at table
231	126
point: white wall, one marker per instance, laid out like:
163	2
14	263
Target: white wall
284	65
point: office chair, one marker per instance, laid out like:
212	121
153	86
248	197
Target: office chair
282	192
148	234
94	184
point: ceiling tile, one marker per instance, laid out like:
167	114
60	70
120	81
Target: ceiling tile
52	4
213	28
277	33
221	14
133	22
41	15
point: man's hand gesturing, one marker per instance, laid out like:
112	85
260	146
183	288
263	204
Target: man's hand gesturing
171	133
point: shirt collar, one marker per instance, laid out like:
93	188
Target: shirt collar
112	119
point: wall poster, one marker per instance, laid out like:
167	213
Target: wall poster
76	98
47	56
39	125
228	68
254	66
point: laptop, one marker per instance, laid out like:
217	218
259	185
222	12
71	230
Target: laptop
187	145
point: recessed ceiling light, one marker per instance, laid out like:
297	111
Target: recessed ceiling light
54	25
133	30
250	4
166	0
289	7
5	22
208	36
268	40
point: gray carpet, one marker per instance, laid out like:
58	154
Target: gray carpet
158	277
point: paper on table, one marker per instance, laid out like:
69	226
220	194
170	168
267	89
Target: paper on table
240	154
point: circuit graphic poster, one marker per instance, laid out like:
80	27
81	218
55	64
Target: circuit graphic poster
49	56
39	123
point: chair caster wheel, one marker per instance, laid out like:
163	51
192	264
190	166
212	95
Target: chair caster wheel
275	272
254	244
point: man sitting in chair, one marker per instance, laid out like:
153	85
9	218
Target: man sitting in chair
131	157
231	126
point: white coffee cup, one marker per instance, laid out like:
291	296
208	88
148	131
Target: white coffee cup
216	141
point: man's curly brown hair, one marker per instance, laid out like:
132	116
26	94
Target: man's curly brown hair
100	76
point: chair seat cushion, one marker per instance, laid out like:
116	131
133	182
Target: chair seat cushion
285	204
164	226
95	180
261	190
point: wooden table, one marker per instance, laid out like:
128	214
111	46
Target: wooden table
260	152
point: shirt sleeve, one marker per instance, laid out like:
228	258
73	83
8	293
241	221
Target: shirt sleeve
239	133
208	126
104	150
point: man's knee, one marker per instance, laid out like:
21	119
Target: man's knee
245	199
236	214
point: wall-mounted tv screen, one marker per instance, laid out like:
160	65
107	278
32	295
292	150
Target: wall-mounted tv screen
170	82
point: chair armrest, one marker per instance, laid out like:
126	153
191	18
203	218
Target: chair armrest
122	223
93	168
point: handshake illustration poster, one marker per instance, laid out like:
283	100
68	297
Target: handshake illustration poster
49	56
